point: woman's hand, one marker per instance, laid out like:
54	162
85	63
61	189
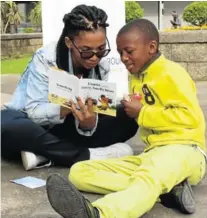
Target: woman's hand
85	115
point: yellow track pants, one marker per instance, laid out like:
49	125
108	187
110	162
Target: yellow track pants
132	184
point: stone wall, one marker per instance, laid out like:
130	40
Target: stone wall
20	44
188	48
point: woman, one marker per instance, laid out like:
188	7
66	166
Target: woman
42	131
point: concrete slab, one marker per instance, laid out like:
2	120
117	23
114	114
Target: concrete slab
5	98
18	201
9	82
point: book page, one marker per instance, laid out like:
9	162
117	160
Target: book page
63	87
102	93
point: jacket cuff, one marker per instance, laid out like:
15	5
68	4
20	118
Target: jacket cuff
140	119
86	132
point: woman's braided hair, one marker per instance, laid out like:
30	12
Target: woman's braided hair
81	18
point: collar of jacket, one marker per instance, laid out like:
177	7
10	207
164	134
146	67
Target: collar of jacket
147	65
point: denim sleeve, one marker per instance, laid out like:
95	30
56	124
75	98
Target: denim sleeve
37	106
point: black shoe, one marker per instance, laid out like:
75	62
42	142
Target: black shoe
67	200
180	197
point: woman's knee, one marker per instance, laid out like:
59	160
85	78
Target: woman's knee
8	115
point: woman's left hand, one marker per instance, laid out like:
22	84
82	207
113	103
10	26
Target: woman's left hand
85	115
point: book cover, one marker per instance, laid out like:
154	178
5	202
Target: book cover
64	87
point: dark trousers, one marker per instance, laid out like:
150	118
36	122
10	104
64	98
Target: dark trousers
61	144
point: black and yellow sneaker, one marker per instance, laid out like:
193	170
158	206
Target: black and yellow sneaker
66	200
180	197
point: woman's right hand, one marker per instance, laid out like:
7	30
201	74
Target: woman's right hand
85	115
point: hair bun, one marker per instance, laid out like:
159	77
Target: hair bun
66	18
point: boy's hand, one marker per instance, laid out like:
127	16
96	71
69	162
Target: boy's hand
133	107
86	115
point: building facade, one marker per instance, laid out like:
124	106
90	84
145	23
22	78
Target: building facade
159	12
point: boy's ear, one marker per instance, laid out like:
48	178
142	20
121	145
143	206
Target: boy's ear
68	42
153	47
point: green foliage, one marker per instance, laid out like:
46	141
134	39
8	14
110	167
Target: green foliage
29	30
133	11
35	15
9	15
4	11
196	13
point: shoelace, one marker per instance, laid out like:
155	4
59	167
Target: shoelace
45	165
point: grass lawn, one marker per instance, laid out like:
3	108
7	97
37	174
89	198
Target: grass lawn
14	66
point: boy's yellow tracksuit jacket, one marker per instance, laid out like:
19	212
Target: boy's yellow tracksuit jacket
171	113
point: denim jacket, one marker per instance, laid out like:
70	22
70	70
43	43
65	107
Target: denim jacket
31	94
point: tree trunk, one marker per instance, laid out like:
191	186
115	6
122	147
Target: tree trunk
2	26
5	28
12	29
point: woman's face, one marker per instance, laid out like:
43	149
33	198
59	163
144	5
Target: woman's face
85	42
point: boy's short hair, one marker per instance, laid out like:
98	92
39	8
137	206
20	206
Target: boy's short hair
143	26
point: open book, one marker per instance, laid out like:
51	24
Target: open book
64	87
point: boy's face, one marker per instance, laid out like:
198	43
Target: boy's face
134	50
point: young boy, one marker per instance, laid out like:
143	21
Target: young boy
171	125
